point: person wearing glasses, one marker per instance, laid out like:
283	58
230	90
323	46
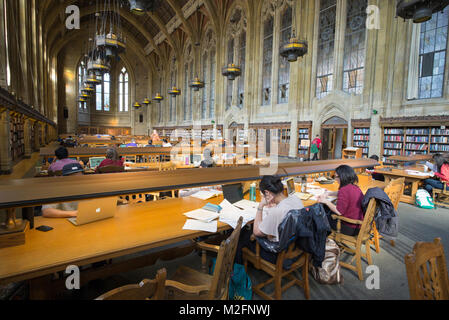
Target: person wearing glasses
349	201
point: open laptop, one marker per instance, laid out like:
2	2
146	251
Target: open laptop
292	192
233	192
94	162
94	210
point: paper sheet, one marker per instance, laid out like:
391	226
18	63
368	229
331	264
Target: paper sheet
230	214
202	215
206	194
200	226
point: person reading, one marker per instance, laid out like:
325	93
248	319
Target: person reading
273	207
112	159
349	201
440	176
69	209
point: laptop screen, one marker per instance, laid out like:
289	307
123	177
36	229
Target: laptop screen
233	192
95	162
290	186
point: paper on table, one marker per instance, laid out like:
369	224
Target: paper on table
247	205
202	215
417	173
200	226
205	194
230	214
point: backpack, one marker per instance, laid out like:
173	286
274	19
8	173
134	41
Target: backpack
424	200
314	148
240	285
329	273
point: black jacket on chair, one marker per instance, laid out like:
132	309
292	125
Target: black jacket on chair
308	227
386	217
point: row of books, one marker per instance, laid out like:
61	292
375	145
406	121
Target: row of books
362	131
360	144
417	131
412	146
437	131
393	145
394	138
417	139
361	138
440	140
439	148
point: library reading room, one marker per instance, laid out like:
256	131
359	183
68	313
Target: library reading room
224	150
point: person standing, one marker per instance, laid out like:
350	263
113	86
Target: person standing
316	146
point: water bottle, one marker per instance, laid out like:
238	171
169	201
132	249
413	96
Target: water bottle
252	192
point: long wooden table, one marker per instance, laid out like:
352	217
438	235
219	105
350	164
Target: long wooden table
412	180
135	228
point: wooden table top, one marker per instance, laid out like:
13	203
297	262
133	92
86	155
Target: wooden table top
416	157
38	191
134	228
86	152
401	173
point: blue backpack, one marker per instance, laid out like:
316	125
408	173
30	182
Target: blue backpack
240	286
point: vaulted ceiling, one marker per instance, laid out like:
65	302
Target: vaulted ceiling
155	32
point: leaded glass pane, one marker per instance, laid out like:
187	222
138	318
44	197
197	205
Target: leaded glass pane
267	61
212	86
186	91
432	58
354	52
326	41
241	79
284	65
206	88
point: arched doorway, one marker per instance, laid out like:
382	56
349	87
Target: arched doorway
333	134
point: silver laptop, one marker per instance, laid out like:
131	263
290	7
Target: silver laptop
94	210
292	192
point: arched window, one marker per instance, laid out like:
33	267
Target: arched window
172	103
82	74
354	53
284	65
206	87
236	48
267	60
123	91
326	42
103	91
212	85
432	55
188	92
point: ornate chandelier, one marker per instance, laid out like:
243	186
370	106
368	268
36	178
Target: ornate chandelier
419	10
231	71
196	84
294	48
142	6
174	92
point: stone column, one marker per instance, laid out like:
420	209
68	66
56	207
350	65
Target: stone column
5	150
27	138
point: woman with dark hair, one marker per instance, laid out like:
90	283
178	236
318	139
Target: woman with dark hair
442	174
349	200
62	159
273	207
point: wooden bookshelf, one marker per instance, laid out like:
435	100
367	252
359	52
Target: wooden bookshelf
304	135
352	153
16	137
360	139
414	140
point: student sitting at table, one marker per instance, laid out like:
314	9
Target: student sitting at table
208	161
132	143
441	174
69	209
166	144
273	207
112	159
349	201
150	144
62	155
375	175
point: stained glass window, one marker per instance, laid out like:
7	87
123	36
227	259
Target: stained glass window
103	93
161	115
284	65
267	61
123	91
241	79
212	85
206	88
432	55
354	53
326	41
186	89
82	75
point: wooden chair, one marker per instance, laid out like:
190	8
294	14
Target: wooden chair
427	271
132	199
353	244
145	290
394	191
189	284
110	169
277	271
441	196
164	166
